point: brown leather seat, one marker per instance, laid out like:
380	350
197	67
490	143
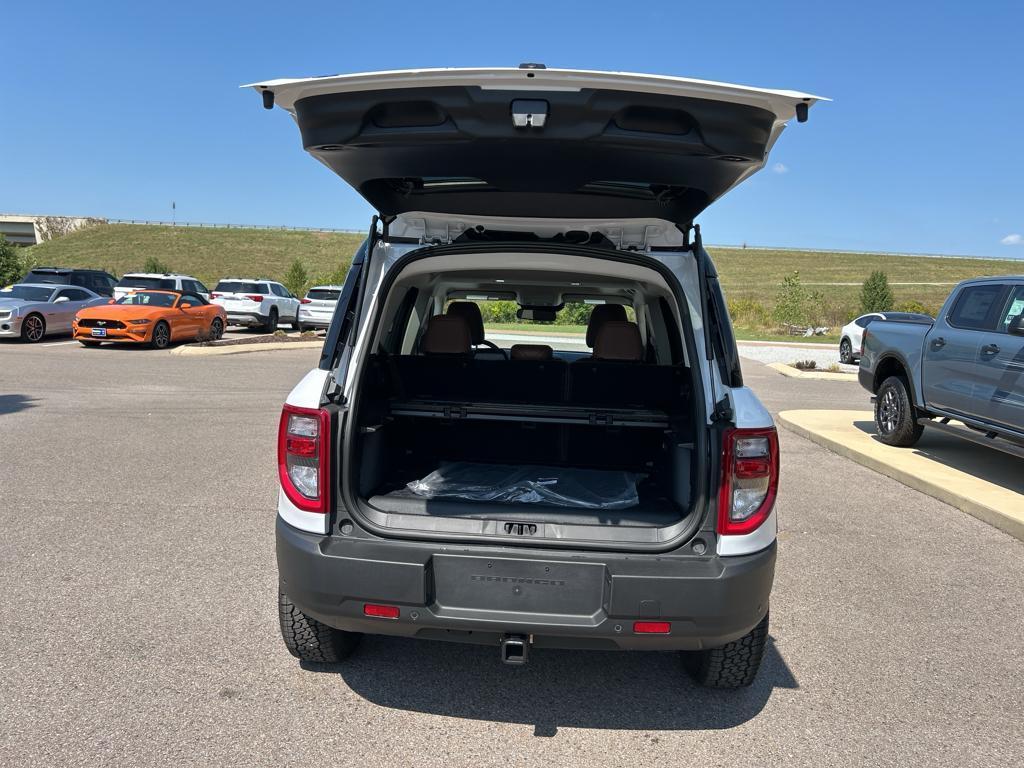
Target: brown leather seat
601	314
447	335
531	352
470	312
618	340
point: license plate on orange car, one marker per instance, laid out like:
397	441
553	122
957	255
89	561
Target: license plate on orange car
99	331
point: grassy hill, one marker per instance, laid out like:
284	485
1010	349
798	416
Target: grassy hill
208	254
751	277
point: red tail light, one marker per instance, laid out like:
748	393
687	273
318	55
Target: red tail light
304	457
214	295
750	479
255	297
305	301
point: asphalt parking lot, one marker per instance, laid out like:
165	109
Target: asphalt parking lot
137	498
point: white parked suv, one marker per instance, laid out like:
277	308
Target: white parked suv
256	303
317	308
434	487
851	337
139	281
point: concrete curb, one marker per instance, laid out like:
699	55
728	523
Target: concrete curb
793	373
239	349
996	503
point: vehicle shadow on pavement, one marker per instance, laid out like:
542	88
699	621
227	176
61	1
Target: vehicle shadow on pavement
988	464
557	688
15	403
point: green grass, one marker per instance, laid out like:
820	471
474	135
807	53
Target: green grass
208	254
211	254
756	274
548	328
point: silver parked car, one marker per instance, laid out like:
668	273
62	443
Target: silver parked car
317	309
30	311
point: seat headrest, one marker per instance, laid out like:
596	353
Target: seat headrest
446	335
618	340
600	314
470	311
530	352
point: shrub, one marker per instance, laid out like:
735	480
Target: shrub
912	305
11	266
749	313
793	302
805	365
875	294
296	279
153	264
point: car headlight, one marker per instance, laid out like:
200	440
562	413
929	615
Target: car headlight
139	322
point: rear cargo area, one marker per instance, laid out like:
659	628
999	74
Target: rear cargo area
525	443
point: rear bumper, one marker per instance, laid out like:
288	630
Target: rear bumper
471	594
314	321
246	318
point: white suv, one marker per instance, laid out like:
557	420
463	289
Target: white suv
434	486
139	281
317	307
256	302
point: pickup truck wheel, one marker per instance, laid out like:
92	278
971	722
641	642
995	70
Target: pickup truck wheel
734	665
309	640
895	419
846	352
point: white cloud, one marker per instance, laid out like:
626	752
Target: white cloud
780	168
1013	239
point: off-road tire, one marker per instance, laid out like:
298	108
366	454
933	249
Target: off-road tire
734	665
895	417
846	352
309	640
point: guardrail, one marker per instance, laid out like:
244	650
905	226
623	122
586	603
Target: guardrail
205	225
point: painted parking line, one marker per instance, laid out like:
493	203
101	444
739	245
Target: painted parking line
58	343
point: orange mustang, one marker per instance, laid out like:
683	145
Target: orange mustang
150	317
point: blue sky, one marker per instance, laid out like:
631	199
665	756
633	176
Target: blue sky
116	109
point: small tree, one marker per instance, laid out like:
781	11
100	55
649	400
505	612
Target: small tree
11	268
154	265
296	278
791	304
875	294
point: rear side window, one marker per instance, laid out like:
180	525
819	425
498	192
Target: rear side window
322	294
864	322
46	277
163	283
237	286
977	306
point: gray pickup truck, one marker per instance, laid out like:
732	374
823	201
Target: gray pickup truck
967	366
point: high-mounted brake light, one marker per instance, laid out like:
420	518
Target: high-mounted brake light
750	479
304	457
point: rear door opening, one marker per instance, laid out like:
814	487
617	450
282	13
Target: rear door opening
598	442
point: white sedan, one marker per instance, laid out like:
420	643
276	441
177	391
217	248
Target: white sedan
852	334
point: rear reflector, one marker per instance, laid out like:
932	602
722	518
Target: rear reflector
652	627
380	611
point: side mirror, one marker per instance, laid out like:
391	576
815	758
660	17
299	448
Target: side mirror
1017	325
186	305
61	300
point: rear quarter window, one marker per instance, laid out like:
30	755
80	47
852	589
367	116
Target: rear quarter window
977	306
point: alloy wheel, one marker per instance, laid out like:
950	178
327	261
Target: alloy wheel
35	328
889	411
